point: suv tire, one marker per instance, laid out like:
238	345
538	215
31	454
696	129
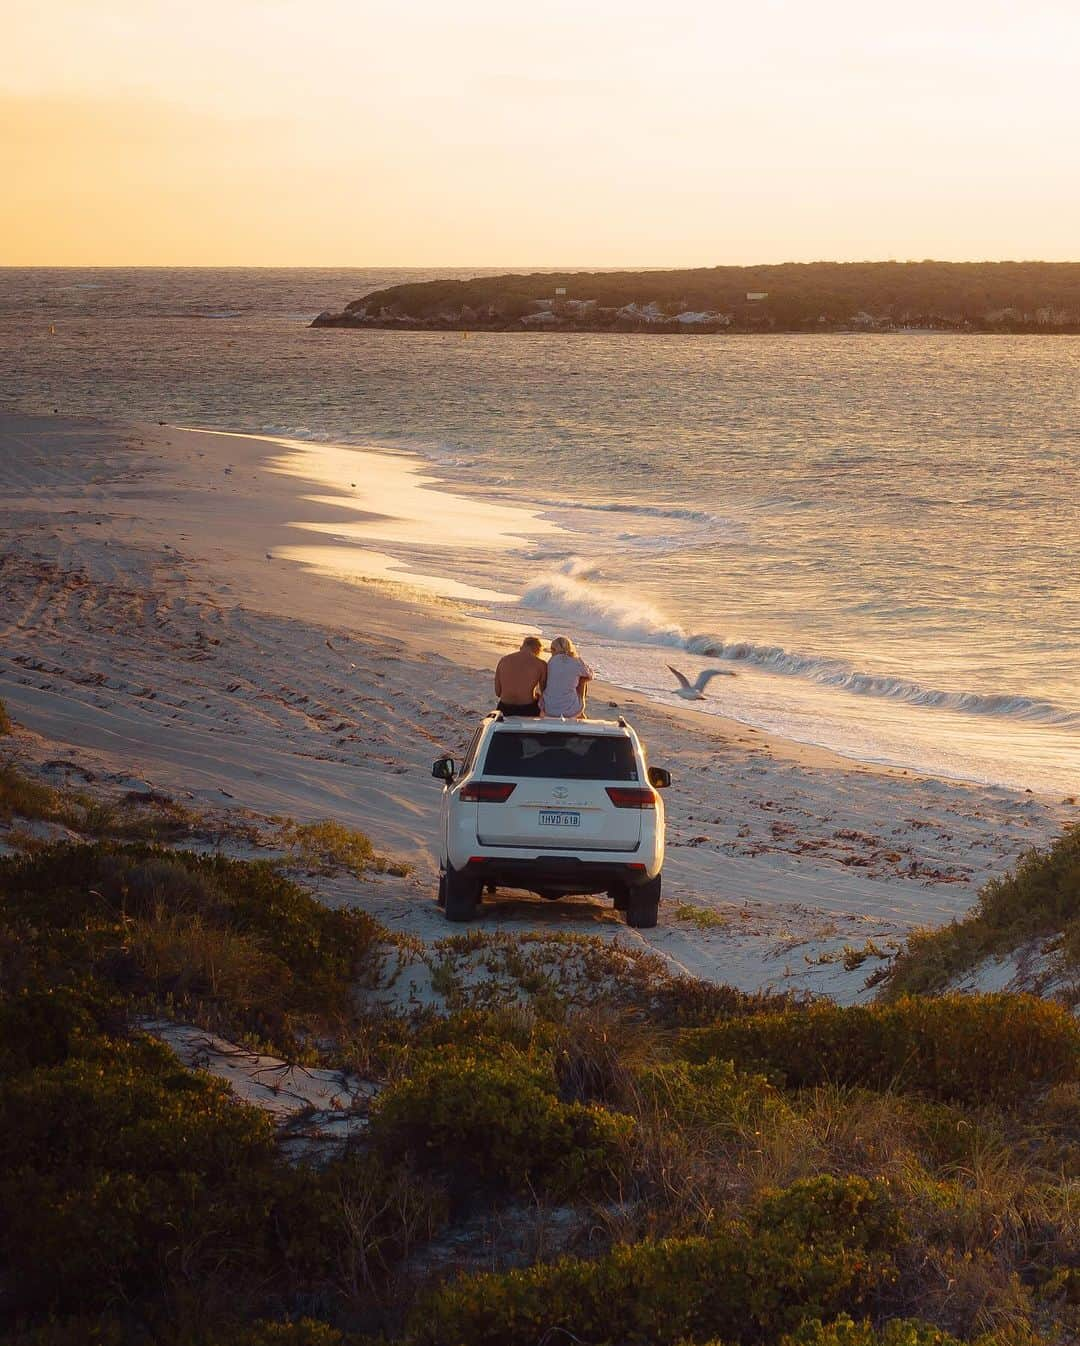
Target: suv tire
619	895
642	905
462	895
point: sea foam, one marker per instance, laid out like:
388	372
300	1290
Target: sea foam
566	592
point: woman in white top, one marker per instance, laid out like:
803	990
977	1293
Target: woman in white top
568	674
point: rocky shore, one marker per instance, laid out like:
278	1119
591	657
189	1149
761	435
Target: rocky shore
1035	297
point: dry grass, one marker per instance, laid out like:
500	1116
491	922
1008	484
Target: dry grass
982	1194
5	721
21	797
377	1226
969	1294
327	845
150	817
189	960
23	841
138	818
599	1053
703	917
1039	897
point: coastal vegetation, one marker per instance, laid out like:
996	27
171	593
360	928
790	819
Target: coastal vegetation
674	1163
137	816
791	297
1037	905
327	844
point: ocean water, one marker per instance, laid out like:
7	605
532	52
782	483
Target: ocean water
878	535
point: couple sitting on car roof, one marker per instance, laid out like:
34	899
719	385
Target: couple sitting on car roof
526	684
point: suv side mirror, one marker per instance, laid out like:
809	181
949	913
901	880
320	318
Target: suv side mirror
443	769
659	777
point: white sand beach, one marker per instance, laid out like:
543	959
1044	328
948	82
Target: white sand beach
209	616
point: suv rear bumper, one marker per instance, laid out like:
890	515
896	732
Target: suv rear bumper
559	875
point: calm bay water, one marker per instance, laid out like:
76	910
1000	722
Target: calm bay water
878	534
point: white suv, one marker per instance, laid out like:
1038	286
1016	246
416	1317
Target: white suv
556	807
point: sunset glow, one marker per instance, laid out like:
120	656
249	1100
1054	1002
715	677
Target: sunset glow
335	133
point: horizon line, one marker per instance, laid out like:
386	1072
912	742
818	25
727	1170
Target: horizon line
519	266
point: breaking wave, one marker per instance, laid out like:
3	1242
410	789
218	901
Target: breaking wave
603	613
566	594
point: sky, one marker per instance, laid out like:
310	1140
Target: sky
576	132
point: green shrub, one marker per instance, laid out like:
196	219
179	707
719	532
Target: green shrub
969	1049
688	1002
513	1027
823	1210
232	942
43	1027
127	1178
1040	896
746	1285
66	884
498	1118
946	1136
844	1332
114	1166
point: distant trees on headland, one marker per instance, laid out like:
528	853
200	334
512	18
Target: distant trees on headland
790	297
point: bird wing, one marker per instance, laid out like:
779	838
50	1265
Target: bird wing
684	681
707	674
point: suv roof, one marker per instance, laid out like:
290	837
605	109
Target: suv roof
545	725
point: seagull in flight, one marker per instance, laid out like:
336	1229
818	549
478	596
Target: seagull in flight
695	691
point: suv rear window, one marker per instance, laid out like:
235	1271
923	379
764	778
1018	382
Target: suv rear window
561	756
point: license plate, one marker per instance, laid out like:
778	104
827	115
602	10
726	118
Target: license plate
559	818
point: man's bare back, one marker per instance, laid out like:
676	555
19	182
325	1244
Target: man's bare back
520	678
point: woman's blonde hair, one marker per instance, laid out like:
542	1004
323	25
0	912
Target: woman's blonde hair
563	645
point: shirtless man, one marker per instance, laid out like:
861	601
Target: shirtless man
520	678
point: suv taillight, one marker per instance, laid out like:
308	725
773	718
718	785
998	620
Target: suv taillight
487	791
631	797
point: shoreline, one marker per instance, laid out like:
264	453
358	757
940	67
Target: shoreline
422	498
155	637
319	560
481	638
473	637
340	322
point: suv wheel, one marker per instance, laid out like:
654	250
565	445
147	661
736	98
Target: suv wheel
462	895
619	896
642	905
